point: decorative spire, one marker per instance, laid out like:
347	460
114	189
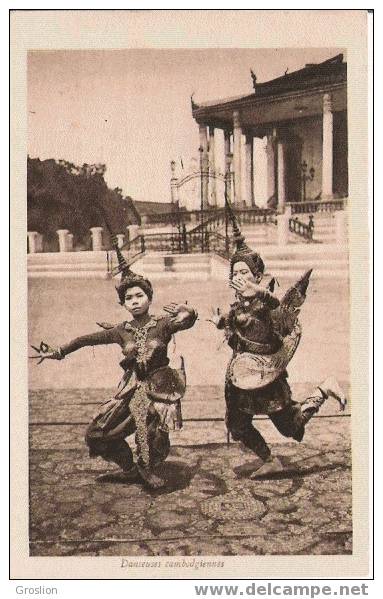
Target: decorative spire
193	104
239	239
254	78
123	266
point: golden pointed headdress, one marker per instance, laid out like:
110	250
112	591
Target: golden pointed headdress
243	253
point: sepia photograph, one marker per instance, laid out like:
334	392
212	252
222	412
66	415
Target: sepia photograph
190	330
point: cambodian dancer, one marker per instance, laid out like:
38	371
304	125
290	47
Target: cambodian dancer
264	333
149	394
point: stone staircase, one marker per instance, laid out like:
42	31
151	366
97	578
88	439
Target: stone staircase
260	235
330	262
91	265
324	226
186	266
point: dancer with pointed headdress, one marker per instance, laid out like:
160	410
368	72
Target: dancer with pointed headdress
264	334
148	398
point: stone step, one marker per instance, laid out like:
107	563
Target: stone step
195	275
67	257
292	271
308	250
64	267
68	274
143	267
318	273
152	258
306	264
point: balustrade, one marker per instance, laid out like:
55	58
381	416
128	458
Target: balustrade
302	229
317	206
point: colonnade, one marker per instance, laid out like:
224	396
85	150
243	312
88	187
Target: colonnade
242	165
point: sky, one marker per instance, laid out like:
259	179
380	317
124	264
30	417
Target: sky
130	109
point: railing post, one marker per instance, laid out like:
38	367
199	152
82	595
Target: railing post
96	238
34	242
62	235
311	226
283	229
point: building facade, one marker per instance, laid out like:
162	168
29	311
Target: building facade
288	138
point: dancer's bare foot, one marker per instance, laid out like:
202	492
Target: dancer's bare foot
151	479
120	476
331	388
271	466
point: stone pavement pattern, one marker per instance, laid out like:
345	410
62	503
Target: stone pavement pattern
210	505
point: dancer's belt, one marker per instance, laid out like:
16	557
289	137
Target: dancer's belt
166	384
256	347
254	371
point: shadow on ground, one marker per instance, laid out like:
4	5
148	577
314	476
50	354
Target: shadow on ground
210	506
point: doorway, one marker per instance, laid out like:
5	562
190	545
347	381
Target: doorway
293	180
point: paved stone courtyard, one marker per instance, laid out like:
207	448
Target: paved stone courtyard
210	505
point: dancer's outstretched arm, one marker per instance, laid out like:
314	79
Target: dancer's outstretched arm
104	337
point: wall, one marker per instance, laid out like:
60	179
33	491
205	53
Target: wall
310	133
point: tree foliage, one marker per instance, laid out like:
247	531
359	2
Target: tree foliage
62	195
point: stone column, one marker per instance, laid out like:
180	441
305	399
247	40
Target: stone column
173	183
69	242
62	235
226	135
249	200
212	167
204	165
96	238
281	177
237	135
327	151
270	154
33	242
283	228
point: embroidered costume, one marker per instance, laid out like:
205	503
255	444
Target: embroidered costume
264	334
148	400
148	397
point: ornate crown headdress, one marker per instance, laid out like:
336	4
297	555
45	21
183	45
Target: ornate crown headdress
243	253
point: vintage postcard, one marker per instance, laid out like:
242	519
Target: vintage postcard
190	202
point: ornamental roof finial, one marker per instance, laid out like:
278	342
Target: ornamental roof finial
254	78
193	104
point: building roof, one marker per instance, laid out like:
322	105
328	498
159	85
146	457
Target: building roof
269	96
333	70
148	208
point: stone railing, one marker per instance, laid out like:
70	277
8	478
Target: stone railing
304	230
245	215
317	206
97	240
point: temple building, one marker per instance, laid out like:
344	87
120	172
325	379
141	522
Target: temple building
286	142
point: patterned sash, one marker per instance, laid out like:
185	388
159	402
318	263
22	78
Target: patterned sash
140	402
